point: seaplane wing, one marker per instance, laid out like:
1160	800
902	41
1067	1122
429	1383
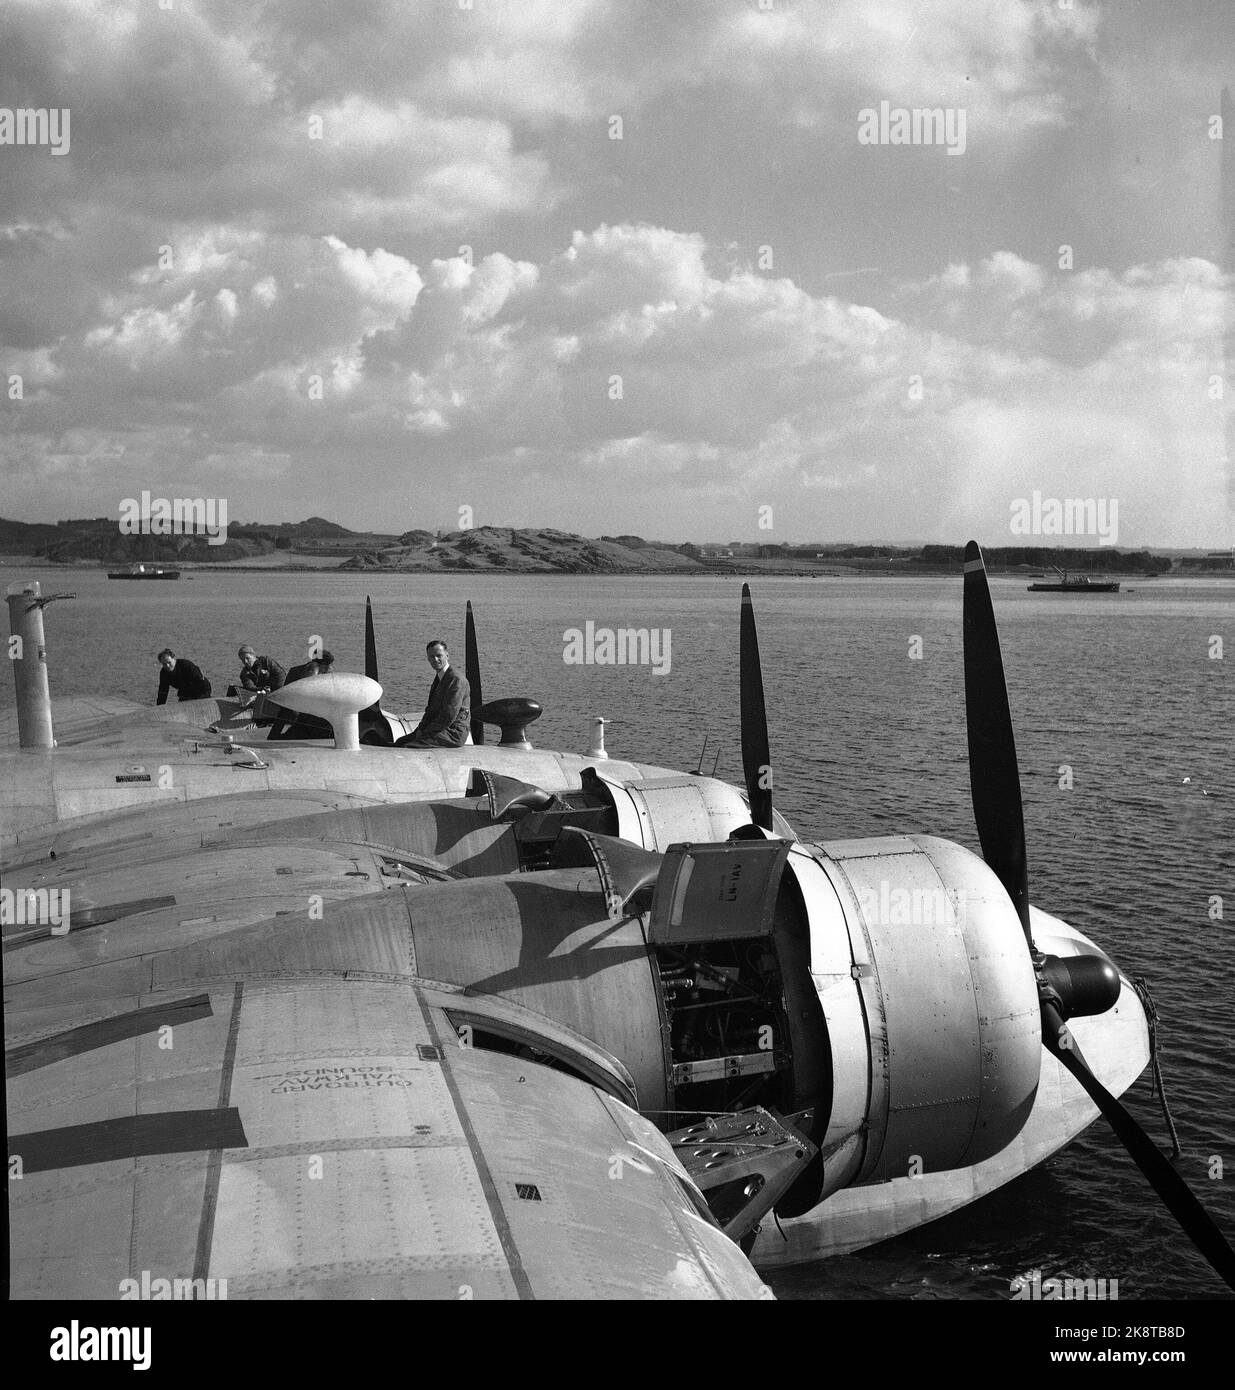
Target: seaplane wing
328	1137
81	720
77	717
135	759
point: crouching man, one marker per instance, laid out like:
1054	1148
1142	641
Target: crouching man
182	676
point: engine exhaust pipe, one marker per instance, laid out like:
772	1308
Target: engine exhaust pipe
28	652
596	746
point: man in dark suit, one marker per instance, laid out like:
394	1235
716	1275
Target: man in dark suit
448	713
181	675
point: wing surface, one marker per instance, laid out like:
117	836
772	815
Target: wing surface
329	1137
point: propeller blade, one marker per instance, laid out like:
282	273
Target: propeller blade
471	665
374	727
1086	981
994	781
370	642
1178	1197
756	755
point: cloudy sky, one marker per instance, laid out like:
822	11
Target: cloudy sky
379	260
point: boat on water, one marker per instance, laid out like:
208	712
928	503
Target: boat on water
1074	584
140	571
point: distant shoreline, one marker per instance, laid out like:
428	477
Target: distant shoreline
769	570
317	544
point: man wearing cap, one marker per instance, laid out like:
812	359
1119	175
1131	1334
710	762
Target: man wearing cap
259	673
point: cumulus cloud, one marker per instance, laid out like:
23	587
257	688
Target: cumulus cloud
1014	67
542	62
364	117
188	114
299	244
625	357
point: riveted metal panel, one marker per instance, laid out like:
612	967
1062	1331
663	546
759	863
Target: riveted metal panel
545	941
832	969
955	992
711	892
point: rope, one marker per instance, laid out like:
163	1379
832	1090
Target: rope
1151	1018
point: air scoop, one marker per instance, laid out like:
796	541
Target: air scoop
337	698
505	793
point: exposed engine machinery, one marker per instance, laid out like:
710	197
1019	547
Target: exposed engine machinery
761	975
897	1042
751	996
506	825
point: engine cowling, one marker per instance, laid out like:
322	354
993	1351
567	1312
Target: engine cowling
655	812
920	964
875	993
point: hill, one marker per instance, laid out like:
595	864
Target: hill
99	541
538	550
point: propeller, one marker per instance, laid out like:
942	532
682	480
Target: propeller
1080	985
756	755
471	670
374	726
370	641
994	780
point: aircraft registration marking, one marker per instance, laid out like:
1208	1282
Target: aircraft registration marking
334	1078
359	1188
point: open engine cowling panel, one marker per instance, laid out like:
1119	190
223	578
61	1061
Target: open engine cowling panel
730	942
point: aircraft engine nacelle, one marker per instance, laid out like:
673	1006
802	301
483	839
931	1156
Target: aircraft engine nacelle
921	966
880	991
877	994
656	812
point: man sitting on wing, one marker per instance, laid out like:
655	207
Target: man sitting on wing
448	713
